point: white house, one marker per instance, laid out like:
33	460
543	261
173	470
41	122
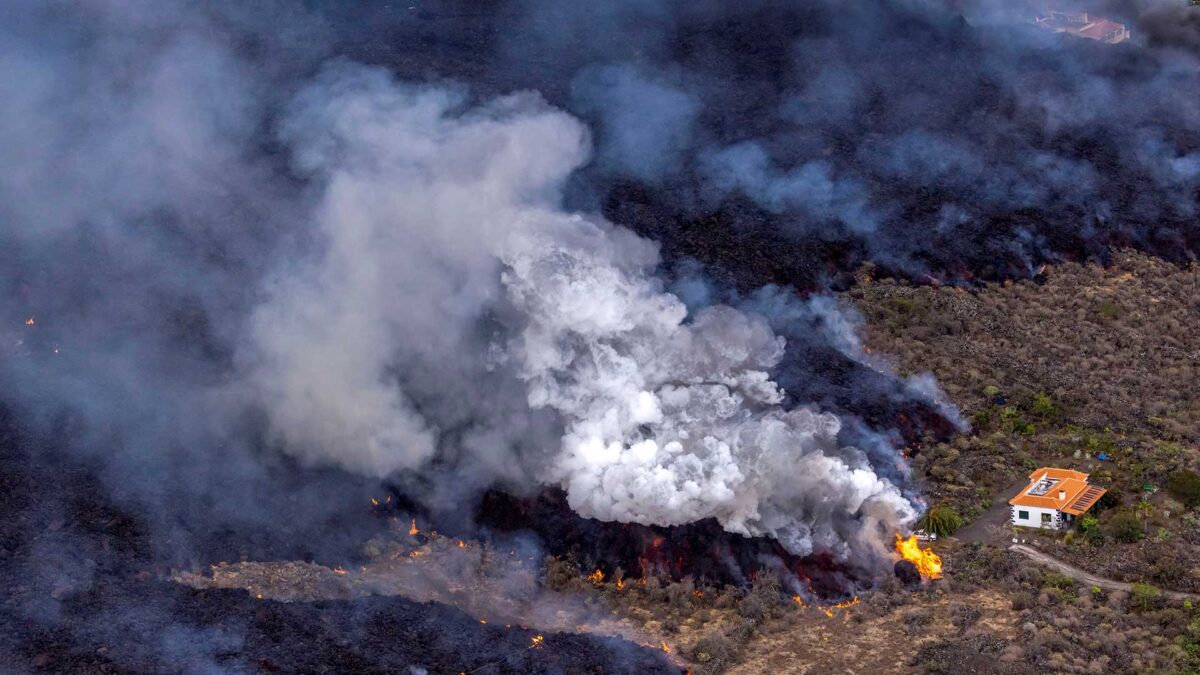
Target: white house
1053	498
1084	26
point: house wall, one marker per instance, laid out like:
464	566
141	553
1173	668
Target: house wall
1034	517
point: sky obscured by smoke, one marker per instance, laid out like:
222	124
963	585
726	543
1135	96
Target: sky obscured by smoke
393	240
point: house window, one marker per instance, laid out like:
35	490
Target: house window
1022	515
1045	518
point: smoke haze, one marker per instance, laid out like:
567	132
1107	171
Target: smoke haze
542	243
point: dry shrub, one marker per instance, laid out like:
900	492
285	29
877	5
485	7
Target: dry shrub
963	615
916	621
562	574
764	599
1023	600
679	595
717	651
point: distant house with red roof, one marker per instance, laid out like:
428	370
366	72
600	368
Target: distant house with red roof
1053	498
1084	26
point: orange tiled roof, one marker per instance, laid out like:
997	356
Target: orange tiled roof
1085	500
1077	495
1060	474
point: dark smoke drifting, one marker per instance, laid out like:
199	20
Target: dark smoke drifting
453	290
928	139
422	241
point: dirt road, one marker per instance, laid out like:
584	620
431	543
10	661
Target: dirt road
1087	577
992	526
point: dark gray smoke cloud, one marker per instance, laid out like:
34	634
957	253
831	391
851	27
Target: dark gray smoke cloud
926	136
420	239
454	302
228	245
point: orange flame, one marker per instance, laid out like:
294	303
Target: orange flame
374	502
928	563
29	321
799	601
413	529
841	605
338	570
665	647
620	584
536	642
596	577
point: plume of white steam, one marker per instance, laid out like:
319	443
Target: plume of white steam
446	258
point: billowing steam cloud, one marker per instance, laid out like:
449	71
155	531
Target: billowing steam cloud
223	247
446	255
220	233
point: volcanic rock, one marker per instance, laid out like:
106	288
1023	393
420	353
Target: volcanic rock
907	572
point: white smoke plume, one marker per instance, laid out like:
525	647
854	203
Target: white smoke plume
449	289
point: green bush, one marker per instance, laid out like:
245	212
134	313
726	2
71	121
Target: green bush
1056	580
1145	596
940	520
1184	485
1110	499
1126	527
1089	526
1042	405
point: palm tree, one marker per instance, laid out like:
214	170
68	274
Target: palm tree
1145	509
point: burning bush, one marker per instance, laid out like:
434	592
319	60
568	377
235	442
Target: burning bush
925	560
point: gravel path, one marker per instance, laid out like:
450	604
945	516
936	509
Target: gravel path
1087	577
991	527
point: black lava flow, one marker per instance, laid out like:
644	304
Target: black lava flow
702	551
82	589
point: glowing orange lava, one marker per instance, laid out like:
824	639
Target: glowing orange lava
928	563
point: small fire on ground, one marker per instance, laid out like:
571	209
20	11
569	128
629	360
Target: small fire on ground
830	609
927	562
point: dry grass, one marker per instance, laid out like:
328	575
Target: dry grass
1113	347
